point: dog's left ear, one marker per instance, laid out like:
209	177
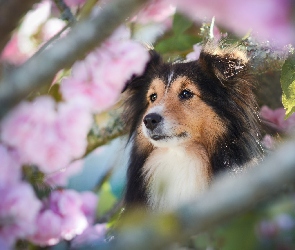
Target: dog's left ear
227	64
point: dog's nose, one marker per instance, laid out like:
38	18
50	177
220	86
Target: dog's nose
152	120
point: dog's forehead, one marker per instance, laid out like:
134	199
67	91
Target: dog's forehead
175	73
174	78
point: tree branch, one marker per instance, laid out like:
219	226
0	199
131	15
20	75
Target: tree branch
10	14
104	131
227	197
83	38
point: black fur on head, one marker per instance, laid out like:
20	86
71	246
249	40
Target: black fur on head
225	83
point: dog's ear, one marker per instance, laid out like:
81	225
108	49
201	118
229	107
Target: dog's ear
227	64
150	69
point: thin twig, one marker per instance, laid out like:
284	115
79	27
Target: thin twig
66	12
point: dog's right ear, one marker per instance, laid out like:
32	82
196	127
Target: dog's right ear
151	68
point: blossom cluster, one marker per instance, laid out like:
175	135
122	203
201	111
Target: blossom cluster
268	20
277	121
52	136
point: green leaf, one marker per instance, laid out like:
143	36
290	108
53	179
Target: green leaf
288	85
106	199
177	44
180	24
239	234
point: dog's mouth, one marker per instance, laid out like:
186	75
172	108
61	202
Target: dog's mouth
157	137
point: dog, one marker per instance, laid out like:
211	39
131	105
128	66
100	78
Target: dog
188	121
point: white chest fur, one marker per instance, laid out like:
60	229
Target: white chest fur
174	177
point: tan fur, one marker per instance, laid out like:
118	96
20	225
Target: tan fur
232	52
192	116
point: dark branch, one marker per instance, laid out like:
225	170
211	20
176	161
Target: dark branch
65	11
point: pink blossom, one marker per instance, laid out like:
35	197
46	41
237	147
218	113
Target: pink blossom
91	234
266	18
18	210
72	3
12	52
155	11
47	134
276	118
60	178
268	142
48	229
30	26
195	54
64	215
10	167
51	28
99	79
89	205
68	205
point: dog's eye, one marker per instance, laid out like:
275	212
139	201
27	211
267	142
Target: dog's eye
153	97
186	94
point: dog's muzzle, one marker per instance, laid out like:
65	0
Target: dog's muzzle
152	120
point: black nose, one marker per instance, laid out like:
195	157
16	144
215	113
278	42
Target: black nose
152	120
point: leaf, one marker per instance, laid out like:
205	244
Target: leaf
238	234
106	199
180	24
288	85
177	44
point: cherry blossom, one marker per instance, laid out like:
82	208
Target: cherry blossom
57	132
155	11
276	118
18	211
71	3
89	204
10	167
195	54
68	204
49	229
90	235
99	79
265	18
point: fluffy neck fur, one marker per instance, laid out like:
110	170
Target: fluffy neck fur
173	177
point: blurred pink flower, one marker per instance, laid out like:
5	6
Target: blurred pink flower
155	11
91	234
89	205
31	25
268	142
68	205
19	208
72	3
10	167
195	54
276	118
12	52
47	134
99	79
268	19
48	229
51	28
60	178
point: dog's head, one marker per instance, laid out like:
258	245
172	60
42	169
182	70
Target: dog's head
195	102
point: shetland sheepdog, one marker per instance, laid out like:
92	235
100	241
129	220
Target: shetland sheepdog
188	121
